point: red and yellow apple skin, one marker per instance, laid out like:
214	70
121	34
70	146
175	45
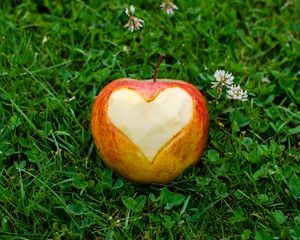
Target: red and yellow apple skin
117	150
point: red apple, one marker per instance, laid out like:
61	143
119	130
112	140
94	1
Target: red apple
150	131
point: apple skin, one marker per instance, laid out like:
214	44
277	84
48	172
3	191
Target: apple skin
119	153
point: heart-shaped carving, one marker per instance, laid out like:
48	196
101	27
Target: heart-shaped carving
150	125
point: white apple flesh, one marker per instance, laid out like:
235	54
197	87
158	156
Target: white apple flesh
150	124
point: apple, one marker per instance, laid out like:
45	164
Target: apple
150	131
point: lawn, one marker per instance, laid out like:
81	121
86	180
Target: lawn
56	56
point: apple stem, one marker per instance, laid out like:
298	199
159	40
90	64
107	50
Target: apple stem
159	61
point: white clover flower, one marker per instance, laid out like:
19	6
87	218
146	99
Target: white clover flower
133	23
168	6
222	79
236	93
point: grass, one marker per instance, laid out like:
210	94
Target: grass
55	56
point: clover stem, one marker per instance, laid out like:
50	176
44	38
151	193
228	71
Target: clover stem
159	61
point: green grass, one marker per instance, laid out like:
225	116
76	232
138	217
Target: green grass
55	56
